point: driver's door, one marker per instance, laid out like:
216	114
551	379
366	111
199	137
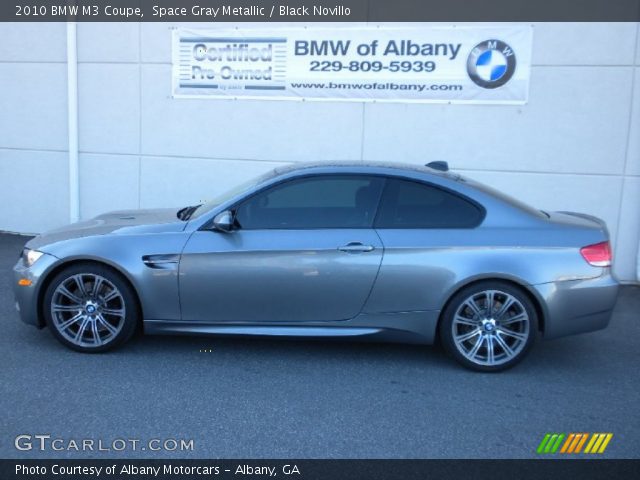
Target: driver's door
303	251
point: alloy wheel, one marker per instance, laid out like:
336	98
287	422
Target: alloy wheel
490	327
88	310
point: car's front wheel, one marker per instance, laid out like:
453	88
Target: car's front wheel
489	326
90	308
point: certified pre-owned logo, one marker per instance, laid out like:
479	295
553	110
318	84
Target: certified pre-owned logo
491	64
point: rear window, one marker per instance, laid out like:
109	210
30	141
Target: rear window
407	204
506	198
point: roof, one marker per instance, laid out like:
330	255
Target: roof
361	164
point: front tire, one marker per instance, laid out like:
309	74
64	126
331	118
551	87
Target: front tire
90	308
489	326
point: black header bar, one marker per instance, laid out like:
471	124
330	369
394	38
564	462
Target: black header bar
320	11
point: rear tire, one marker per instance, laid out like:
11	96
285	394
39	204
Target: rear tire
489	326
90	308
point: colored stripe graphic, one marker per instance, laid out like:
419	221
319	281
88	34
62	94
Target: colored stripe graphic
605	443
598	442
543	443
567	444
574	442
592	440
583	438
550	443
556	445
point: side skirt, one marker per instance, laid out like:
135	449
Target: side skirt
402	327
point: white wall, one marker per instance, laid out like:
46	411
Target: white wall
574	146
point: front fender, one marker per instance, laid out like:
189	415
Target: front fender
157	289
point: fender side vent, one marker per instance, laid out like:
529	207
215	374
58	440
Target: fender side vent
165	261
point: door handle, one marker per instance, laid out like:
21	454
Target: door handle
356	247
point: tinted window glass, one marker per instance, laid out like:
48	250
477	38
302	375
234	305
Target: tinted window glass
407	204
506	198
314	202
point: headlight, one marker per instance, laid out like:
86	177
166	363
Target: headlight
30	256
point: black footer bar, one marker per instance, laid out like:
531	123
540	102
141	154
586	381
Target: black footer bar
122	469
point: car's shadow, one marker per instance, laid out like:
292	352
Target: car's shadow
279	347
571	355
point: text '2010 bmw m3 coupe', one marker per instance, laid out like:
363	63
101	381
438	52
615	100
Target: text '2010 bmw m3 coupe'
381	251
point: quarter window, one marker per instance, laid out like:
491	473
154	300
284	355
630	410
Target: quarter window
407	204
335	201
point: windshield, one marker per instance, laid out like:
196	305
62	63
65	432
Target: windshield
231	193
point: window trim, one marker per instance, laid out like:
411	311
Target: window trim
233	208
471	201
385	178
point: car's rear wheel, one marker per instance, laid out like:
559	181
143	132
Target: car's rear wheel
489	326
90	308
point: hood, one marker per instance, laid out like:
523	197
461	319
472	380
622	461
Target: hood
121	222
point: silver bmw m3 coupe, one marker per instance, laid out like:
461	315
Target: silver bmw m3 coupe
378	251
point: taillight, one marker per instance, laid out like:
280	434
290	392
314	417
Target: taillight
598	254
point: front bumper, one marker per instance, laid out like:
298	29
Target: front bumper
578	306
27	296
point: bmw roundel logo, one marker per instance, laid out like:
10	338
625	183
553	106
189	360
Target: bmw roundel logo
491	64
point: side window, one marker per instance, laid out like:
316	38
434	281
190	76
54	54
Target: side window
331	201
407	204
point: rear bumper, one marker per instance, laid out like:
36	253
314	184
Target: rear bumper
577	306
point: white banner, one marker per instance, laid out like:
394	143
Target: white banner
444	64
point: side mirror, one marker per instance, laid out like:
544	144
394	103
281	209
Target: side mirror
223	222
